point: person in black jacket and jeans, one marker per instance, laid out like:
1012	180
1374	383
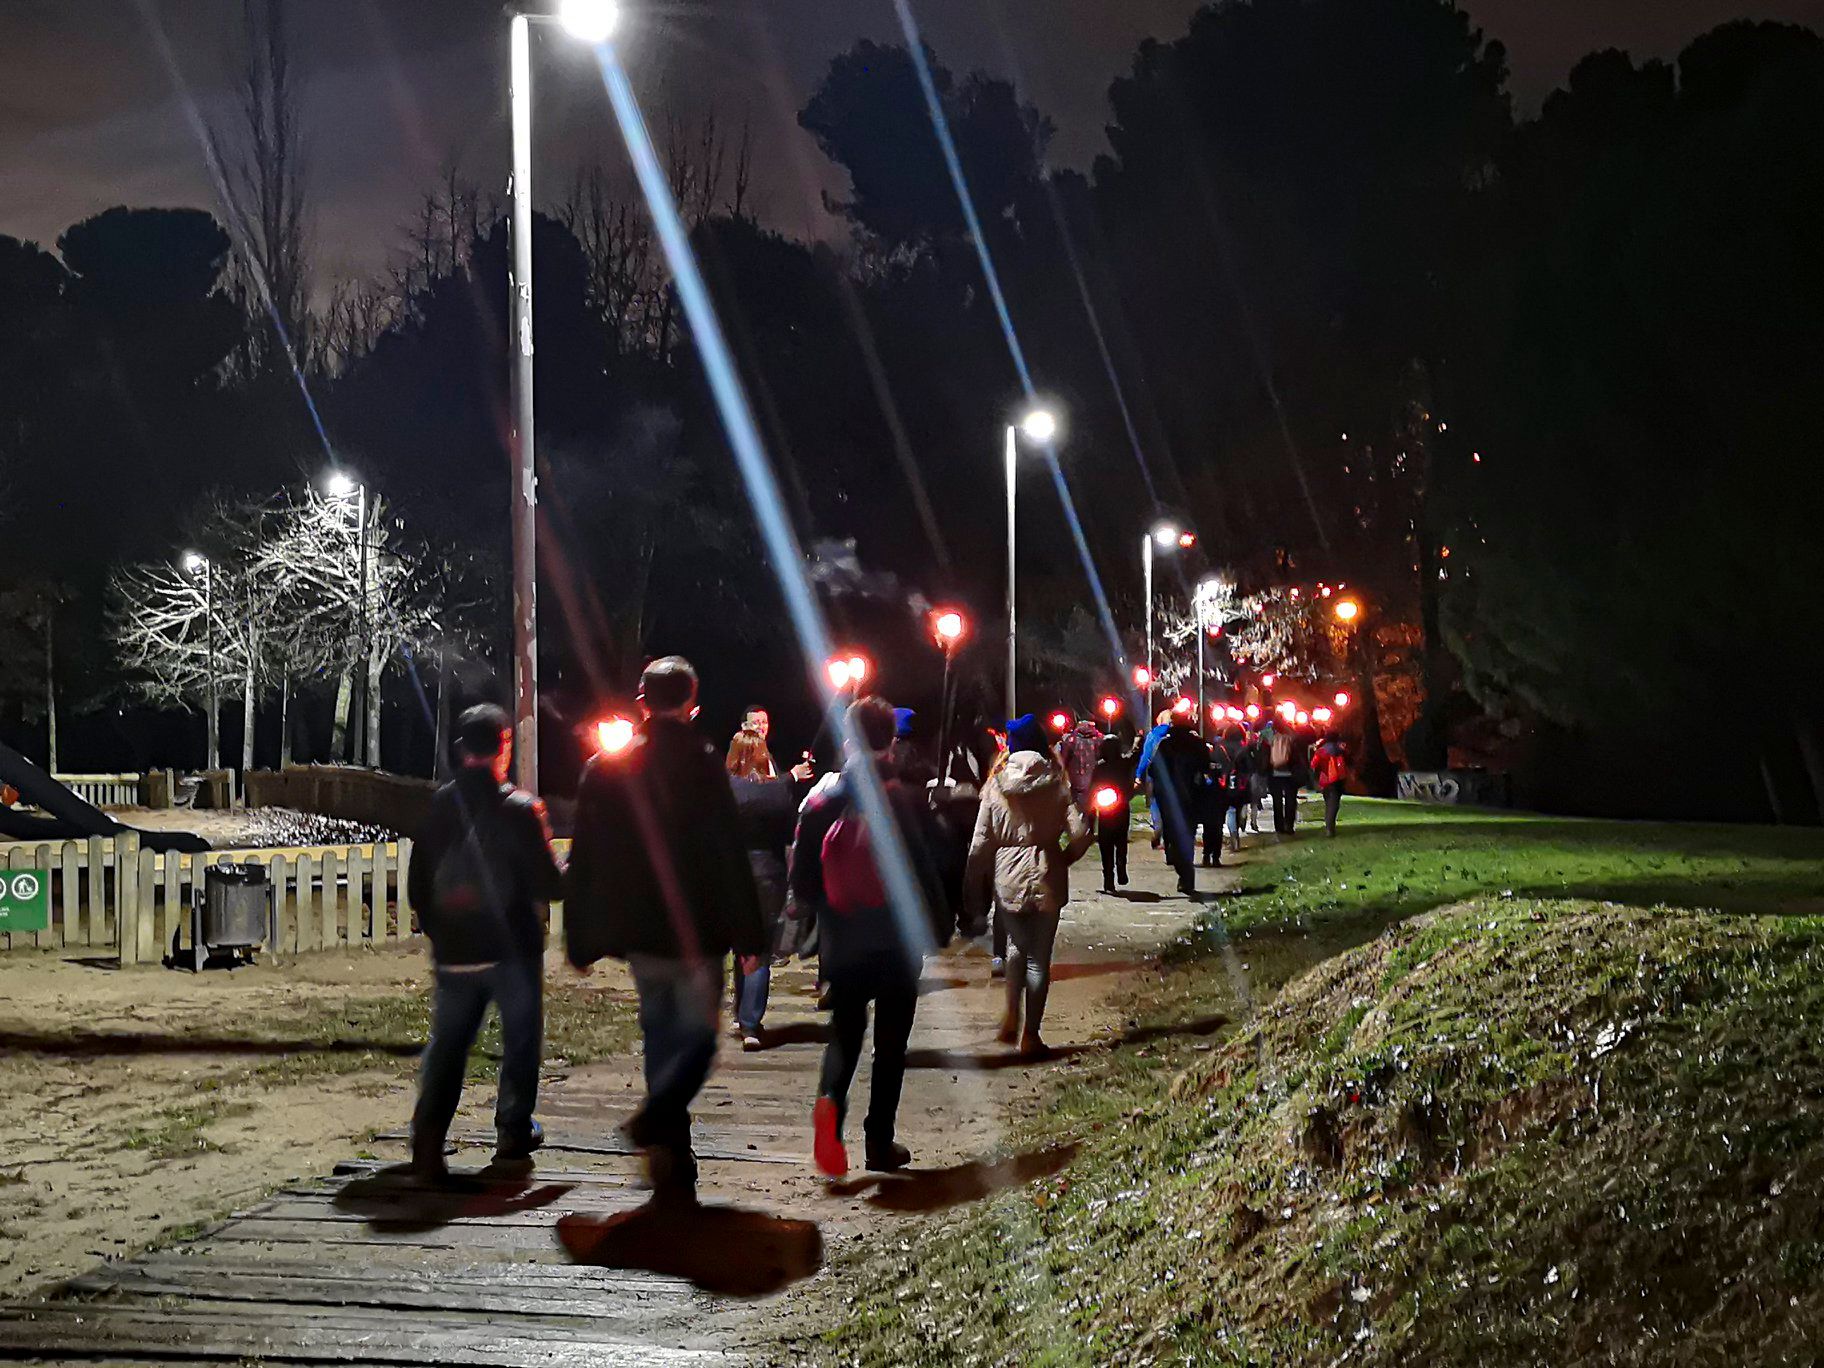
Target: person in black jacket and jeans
480	876
659	877
870	956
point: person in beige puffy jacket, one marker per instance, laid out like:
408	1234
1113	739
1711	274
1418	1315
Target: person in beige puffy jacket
1028	833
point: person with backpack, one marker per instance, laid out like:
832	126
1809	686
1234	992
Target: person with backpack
1111	793
481	874
1080	750
767	810
659	877
1238	762
1215	800
1180	773
1029	832
1282	758
1330	772
871	958
1143	771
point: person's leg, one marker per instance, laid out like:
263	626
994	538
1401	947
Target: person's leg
458	1003
848	1026
1016	978
1333	802
678	1009
1277	786
1121	839
894	1008
519	993
1105	842
1152	815
750	997
1000	940
1035	935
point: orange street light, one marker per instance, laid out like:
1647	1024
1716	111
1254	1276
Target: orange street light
1252	712
1060	721
1184	708
949	627
1342	700
1303	718
1321	714
1111	708
1347	610
1143	677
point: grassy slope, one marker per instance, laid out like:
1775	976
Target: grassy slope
1513	1130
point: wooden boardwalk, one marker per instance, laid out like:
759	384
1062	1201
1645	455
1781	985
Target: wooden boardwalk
565	1263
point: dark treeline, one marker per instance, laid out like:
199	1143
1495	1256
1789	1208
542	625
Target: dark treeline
1538	389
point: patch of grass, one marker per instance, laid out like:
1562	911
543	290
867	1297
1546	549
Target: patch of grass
179	1131
1513	1130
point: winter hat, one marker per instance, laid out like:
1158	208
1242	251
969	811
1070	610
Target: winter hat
1025	734
902	722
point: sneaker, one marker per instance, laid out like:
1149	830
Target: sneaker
887	1157
1121	878
751	1042
509	1149
826	1144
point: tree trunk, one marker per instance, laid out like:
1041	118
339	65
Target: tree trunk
50	691
375	663
284	721
246	721
1811	750
338	735
1772	785
440	738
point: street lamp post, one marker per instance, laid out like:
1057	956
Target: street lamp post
342	485
1168	538
198	564
1040	427
949	626
590	21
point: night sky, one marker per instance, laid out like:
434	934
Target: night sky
398	89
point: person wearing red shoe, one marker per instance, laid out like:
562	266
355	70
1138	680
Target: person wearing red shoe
872	956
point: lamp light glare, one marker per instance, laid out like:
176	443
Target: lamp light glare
590	21
614	735
1041	425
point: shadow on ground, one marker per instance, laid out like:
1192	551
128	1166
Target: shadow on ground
914	1190
87	1044
727	1250
996	1058
396	1199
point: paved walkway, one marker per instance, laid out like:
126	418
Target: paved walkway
565	1264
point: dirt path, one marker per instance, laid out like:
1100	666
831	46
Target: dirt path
354	1269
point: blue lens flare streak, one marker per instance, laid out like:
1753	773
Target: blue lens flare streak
763	492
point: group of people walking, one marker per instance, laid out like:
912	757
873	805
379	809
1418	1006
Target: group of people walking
683	861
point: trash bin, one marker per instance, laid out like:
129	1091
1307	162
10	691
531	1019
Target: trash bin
233	912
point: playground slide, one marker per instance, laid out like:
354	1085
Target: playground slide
68	817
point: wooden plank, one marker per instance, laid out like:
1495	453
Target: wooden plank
383	930
202	1332
176	908
357	905
310	919
706	1144
145	885
126	896
541	1238
406	927
284	917
18	858
332	893
70	892
233	1264
100	926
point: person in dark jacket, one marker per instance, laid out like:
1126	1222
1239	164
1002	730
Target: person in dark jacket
1180	773
659	877
767	810
1114	774
870	956
480	876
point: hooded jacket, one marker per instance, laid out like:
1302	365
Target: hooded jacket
1078	750
1028	833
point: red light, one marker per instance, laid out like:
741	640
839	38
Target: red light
1186	540
1268	681
858	668
1107	799
1303	718
1342	700
1321	714
839	674
1252	712
614	735
1143	677
1236	714
1184	707
1111	708
1060	721
1288	710
948	626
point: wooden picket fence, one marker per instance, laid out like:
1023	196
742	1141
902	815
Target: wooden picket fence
104	790
326	897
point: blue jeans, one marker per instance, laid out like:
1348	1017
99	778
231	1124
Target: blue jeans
750	995
679	1002
459	1002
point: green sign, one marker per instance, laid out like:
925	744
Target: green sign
25	900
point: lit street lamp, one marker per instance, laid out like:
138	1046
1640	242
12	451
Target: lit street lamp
948	627
342	485
1167	538
590	21
198	564
1040	427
